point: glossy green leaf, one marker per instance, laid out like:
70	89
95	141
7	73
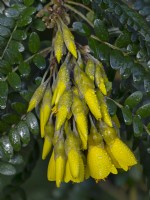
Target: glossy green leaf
101	30
34	42
4	32
24	21
123	40
14	138
5	21
10	118
14	81
28	12
19	35
147	83
39	25
19	107
32	123
16	160
116	59
3	89
24	133
24	69
7	169
137	126
3	126
6	147
144	111
28	2
127	115
134	99
112	108
12	12
81	28
39	61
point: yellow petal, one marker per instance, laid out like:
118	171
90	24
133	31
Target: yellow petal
99	163
51	171
122	154
60	170
74	162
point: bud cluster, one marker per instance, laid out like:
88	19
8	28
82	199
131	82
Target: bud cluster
74	118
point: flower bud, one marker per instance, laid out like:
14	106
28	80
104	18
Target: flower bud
58	45
90	69
51	171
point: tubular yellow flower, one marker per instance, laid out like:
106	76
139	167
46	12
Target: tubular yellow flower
37	96
116	121
68	176
60	158
69	40
105	114
120	152
99	163
62	83
63	109
74	162
49	132
92	102
58	45
99	80
45	109
81	119
51	171
90	69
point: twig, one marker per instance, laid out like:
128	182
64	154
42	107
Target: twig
79	13
79	4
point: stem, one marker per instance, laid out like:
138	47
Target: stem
118	104
79	13
146	129
108	44
79	4
8	42
30	58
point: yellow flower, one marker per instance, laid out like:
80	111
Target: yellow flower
51	171
122	155
99	163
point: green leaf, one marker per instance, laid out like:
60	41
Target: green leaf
137	126
19	107
101	30
134	99
19	35
144	111
32	123
14	138
16	159
10	118
4	32
39	25
6	146
5	21
24	69
81	28
3	126
127	115
28	2
12	12
123	40
28	12
24	133
7	169
34	42
24	21
112	108
147	83
116	59
3	89
14	81
39	61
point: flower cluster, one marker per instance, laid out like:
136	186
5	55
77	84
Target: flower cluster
74	118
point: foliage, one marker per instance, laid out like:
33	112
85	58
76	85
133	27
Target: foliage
117	35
